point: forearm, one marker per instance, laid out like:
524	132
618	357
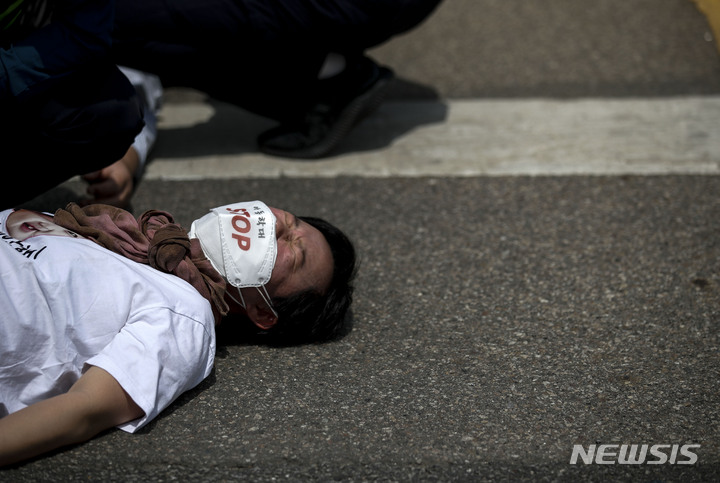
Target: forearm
45	426
94	403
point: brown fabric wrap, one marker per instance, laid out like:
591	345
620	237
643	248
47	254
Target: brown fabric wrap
153	239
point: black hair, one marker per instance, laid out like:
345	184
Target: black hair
311	316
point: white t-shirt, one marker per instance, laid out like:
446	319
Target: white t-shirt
68	303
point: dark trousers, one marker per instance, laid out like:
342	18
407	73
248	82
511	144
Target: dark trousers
84	123
262	55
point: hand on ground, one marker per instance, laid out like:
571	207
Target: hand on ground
114	184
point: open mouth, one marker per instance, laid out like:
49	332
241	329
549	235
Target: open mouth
28	227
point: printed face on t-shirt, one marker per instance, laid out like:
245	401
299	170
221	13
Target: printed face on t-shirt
23	224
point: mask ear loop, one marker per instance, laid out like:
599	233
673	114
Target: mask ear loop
240	302
266	297
263	293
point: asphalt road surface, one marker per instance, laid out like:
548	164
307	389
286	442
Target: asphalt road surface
537	213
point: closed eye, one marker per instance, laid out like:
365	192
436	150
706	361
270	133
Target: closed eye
300	242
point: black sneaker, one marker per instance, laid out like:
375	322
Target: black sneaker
344	103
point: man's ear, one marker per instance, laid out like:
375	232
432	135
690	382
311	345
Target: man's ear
261	315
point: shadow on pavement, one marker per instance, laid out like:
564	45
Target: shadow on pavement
231	130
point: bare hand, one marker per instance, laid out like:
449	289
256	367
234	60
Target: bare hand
114	184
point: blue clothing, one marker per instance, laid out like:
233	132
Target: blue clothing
65	107
34	58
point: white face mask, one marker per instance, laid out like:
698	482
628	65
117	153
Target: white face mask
239	240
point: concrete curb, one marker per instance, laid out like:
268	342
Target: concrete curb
460	138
